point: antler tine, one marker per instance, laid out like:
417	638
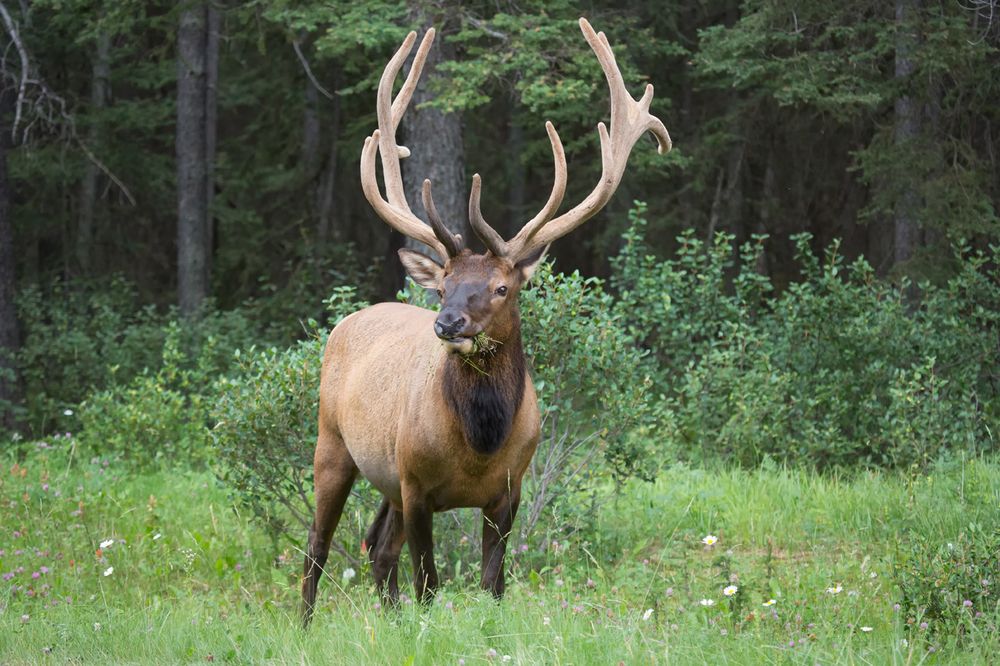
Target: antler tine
527	232
396	211
452	242
491	239
630	119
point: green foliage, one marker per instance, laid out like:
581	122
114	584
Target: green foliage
950	585
799	61
76	340
593	381
832	63
90	336
838	369
266	429
159	419
265	423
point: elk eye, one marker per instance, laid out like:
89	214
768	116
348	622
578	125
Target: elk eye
501	290
440	293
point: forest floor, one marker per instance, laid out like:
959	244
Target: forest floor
105	566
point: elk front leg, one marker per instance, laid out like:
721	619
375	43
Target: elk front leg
418	524
498	519
334	474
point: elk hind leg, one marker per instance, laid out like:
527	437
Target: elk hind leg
418	520
385	559
334	474
373	537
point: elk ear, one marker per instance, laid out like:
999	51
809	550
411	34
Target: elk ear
528	264
425	271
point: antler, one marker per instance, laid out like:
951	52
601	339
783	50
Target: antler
396	211
629	120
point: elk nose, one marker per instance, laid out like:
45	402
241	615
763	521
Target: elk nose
448	324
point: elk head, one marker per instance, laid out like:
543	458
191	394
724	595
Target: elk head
479	291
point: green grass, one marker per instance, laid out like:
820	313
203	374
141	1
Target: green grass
617	579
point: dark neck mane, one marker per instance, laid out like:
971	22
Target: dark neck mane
484	391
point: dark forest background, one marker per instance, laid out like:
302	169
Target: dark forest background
204	155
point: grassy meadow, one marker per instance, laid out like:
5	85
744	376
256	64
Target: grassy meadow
702	566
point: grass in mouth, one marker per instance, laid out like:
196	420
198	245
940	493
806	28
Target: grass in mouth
482	345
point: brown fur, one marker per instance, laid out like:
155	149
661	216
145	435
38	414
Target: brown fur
484	393
426	428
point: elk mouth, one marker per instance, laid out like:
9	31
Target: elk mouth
459	345
479	344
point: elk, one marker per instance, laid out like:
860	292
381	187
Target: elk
414	400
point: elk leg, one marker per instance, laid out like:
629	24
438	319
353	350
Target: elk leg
373	537
498	519
418	522
385	565
334	472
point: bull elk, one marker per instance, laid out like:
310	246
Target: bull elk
413	400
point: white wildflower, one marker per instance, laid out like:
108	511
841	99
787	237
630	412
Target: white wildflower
107	543
648	614
730	590
710	540
109	571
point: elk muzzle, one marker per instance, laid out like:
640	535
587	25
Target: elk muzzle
453	328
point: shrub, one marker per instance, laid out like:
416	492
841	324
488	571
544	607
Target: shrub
158	418
76	340
594	389
95	335
265	423
838	369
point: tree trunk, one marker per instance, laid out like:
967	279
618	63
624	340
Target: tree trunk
10	339
906	235
100	89
192	171
326	194
765	216
309	153
435	142
212	38
733	200
517	213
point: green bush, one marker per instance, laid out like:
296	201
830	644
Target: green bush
76	340
840	368
158	418
94	335
595	390
266	423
